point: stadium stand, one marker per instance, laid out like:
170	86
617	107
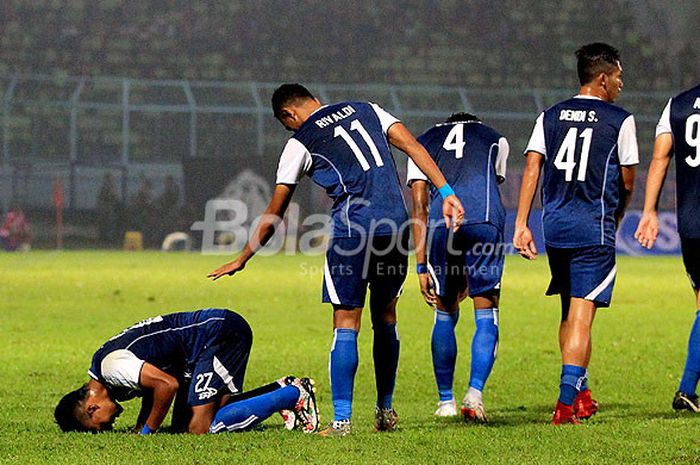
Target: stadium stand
511	44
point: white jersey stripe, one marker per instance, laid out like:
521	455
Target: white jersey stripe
329	285
225	376
601	287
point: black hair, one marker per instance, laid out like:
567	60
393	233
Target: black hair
286	94
462	117
67	411
596	58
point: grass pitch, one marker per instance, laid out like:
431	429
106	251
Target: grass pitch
59	307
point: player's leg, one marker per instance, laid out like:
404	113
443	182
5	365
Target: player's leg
387	269
484	261
591	278
686	397
447	286
244	411
345	287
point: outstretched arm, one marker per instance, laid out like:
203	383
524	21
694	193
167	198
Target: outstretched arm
402	139
419	215
266	229
164	387
522	239
648	227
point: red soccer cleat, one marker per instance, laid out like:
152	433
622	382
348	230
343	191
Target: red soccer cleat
564	414
584	405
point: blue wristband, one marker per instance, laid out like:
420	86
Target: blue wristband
146	430
446	191
421	268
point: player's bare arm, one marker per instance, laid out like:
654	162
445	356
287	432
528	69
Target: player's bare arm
164	387
648	228
522	239
146	406
273	215
419	215
401	138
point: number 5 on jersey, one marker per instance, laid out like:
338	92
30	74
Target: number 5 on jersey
565	159
356	126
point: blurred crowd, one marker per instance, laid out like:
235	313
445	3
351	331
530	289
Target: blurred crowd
477	43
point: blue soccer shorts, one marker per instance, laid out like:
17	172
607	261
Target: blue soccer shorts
586	272
472	256
220	366
690	248
354	263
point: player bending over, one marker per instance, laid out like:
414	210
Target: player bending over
678	133
588	148
198	359
345	148
473	156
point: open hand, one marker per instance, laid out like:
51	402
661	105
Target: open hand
229	268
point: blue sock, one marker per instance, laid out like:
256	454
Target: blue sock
386	361
343	365
691	373
443	345
484	346
572	377
244	414
584	384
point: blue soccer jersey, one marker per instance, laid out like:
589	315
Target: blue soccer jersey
211	346
472	157
681	118
344	149
585	141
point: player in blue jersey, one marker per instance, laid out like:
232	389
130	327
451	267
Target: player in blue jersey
473	156
678	134
197	359
588	148
345	148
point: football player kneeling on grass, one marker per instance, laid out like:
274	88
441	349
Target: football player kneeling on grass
196	359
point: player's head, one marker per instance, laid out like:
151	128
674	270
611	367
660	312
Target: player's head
292	104
81	410
462	117
598	65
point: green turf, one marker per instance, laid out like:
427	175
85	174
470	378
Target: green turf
57	308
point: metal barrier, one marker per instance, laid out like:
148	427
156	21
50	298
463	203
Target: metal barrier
80	128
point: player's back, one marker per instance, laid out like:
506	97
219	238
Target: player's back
586	140
351	159
168	342
472	157
685	125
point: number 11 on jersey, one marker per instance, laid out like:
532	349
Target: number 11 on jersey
356	126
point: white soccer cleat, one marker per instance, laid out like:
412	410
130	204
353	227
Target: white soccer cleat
473	410
446	408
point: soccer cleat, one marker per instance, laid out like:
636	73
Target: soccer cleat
564	414
337	429
385	419
289	418
473	411
446	408
683	401
305	410
584	405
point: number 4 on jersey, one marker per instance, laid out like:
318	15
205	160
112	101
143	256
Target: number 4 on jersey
565	159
